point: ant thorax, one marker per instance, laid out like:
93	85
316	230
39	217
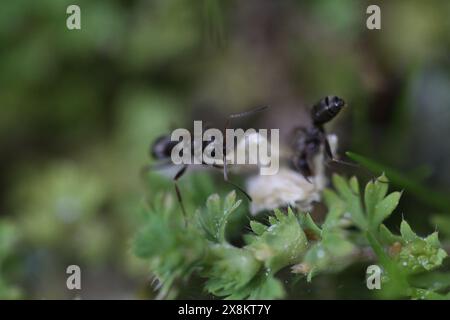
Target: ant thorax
212	147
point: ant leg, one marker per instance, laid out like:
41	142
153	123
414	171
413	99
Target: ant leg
225	177
329	153
177	190
303	167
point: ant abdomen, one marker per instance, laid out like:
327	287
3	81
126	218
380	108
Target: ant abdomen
162	147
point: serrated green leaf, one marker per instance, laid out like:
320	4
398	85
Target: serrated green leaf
230	204
374	192
215	218
432	281
437	200
262	287
354	185
384	208
330	197
282	244
257	227
249	238
230	201
433	239
270	289
230	270
272	220
397	285
278	214
418	256
423	294
407	233
387	237
341	185
336	209
213	203
352	201
308	224
329	254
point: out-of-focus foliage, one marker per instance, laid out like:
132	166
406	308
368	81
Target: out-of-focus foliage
8	241
79	109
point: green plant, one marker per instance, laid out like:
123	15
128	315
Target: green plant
352	231
8	240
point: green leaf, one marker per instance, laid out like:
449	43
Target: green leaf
387	237
172	249
230	270
257	227
214	218
272	220
263	287
436	200
420	255
374	192
423	294
433	239
395	282
336	209
384	208
308	224
213	204
279	215
8	238
329	254
434	281
407	233
354	185
269	289
230	203
8	241
350	195
282	244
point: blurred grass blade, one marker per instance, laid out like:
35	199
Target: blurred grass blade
433	199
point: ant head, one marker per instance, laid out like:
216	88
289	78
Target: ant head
161	147
326	109
335	102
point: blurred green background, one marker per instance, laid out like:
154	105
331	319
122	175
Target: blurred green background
80	108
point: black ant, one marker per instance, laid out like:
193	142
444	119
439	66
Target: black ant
307	142
161	149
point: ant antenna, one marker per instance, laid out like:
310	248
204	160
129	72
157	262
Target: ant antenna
177	190
247	113
350	164
164	164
